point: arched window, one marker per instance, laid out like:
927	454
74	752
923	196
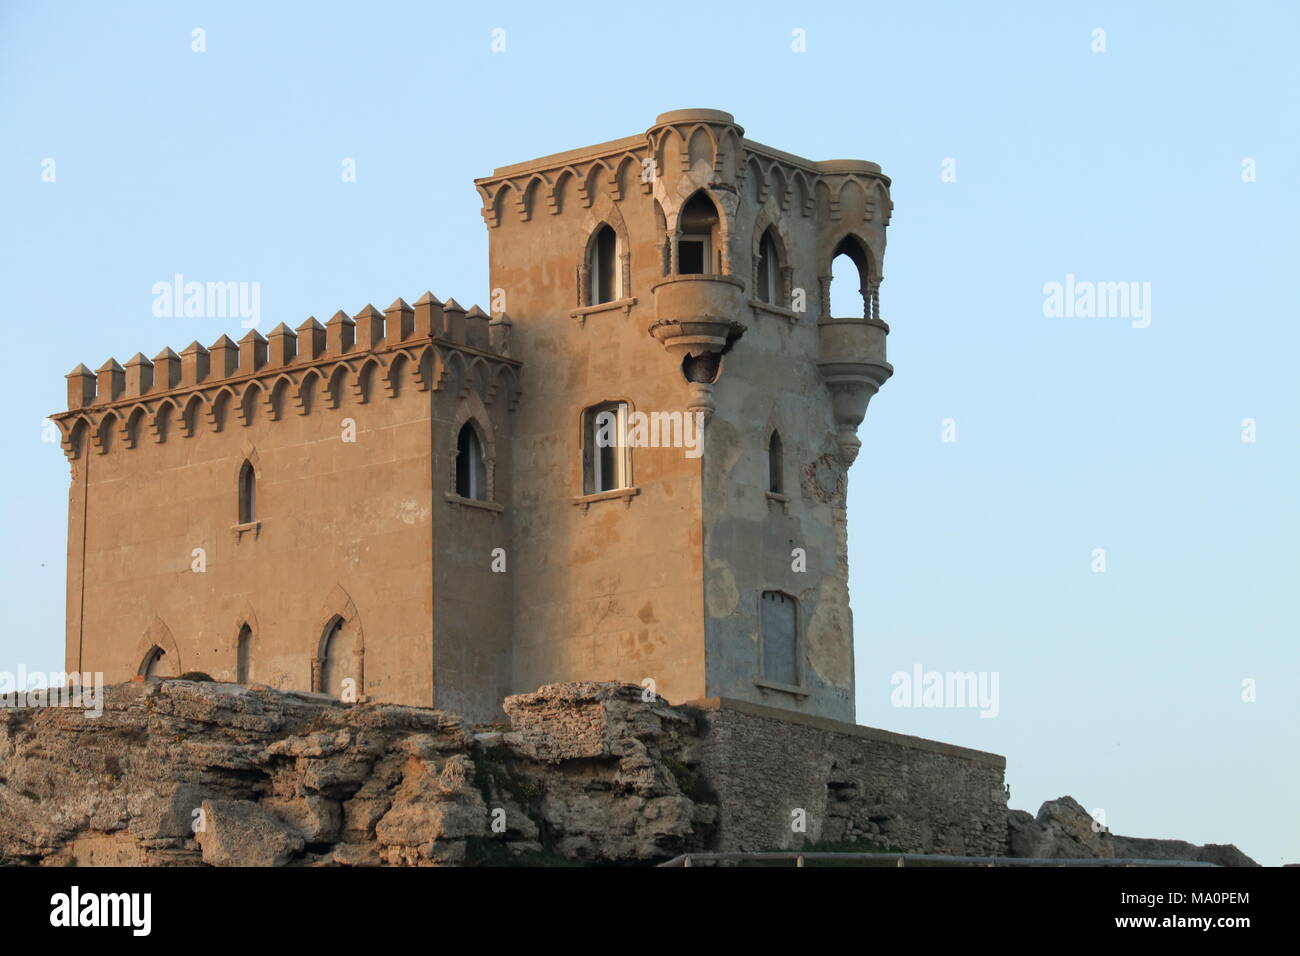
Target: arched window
605	464
768	279
697	236
244	656
779	625
471	471
247	493
605	282
775	477
149	666
849	274
338	658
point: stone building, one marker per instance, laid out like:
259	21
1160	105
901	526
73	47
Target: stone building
440	506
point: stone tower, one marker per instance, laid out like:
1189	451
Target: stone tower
425	505
688	269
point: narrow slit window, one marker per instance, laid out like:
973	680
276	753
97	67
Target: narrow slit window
247	494
775	478
244	655
768	270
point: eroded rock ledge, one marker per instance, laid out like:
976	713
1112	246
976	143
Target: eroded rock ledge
1063	829
182	773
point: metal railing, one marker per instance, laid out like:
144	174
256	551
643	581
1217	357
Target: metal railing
902	859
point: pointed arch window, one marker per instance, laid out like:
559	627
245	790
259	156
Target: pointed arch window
471	469
605	276
697	236
244	655
850	294
775	465
247	493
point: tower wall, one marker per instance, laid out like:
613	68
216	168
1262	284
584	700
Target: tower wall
605	586
700	535
350	430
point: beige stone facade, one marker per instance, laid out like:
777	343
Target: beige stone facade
417	505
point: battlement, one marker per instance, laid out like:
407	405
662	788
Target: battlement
433	345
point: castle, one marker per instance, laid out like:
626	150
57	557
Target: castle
439	506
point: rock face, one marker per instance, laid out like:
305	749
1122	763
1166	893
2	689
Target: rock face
183	773
1063	829
177	772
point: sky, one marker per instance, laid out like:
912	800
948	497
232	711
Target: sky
1100	510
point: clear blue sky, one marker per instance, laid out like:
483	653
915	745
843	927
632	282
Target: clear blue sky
1123	688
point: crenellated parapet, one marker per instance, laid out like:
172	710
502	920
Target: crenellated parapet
429	346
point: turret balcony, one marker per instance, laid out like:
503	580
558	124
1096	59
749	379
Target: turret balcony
852	363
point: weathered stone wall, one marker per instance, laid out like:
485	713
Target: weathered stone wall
852	783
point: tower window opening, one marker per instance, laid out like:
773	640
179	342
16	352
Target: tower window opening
849	295
603	267
604	448
244	655
471	471
769	278
697	236
780	630
775	479
247	494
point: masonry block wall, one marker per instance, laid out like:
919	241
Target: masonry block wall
850	784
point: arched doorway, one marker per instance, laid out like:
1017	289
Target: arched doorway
150	665
338	659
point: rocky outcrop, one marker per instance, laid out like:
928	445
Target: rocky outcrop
179	773
1063	829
